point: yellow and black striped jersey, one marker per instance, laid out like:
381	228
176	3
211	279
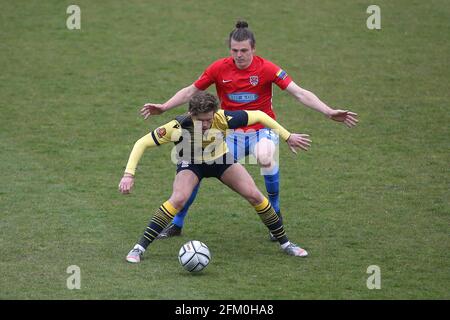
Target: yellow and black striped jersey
194	145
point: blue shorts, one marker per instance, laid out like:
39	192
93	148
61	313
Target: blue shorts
241	144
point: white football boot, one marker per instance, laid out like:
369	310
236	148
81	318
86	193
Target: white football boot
294	250
135	255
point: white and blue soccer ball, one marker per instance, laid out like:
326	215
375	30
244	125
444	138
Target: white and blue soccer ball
194	256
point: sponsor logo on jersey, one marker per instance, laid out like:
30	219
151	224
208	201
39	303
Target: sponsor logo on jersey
282	74
254	80
242	97
161	132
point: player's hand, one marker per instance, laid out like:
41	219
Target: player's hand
345	116
126	183
300	141
151	109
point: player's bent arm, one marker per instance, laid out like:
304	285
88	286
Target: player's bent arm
294	140
181	97
261	117
127	181
169	132
308	98
163	134
138	150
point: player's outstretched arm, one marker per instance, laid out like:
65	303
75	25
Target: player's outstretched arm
347	117
294	140
127	181
309	99
298	141
181	97
163	134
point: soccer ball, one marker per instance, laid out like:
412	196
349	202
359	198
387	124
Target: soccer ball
194	256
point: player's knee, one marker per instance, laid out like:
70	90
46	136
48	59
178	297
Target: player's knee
254	196
179	199
264	152
264	159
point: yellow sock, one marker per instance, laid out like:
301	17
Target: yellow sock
262	206
271	220
169	209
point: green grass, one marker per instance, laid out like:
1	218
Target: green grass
374	195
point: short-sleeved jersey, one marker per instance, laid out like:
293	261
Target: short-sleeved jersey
187	138
247	89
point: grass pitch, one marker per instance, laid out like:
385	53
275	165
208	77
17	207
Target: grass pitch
374	195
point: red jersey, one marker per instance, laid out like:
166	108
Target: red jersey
248	89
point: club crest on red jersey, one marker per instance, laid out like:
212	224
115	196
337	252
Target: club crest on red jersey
254	80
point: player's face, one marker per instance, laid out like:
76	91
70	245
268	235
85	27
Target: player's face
205	118
242	53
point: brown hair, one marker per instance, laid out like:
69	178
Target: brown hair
242	33
203	102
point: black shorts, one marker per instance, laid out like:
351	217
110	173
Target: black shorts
205	170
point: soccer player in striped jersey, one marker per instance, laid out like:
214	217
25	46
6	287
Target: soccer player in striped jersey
244	81
203	153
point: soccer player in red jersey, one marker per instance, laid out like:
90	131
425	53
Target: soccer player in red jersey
244	82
